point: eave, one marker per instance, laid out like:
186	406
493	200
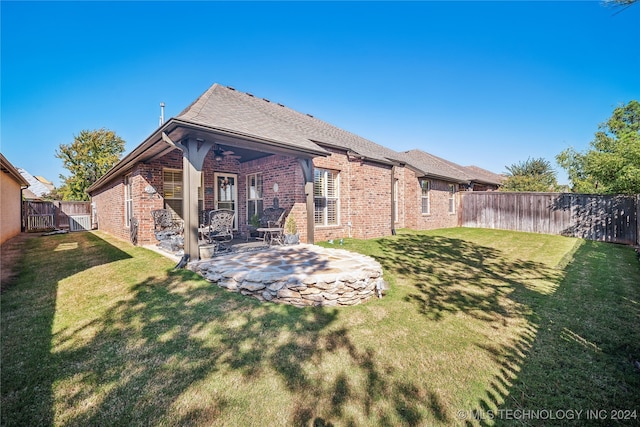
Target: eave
154	146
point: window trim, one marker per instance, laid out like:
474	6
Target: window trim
164	190
426	196
452	199
396	204
128	200
324	195
256	200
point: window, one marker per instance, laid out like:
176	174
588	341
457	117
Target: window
452	198
426	194
173	192
254	195
172	184
396	193
325	197
128	200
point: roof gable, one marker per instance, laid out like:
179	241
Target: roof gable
226	108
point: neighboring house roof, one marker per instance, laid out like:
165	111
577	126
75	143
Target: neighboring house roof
12	171
29	195
45	182
37	188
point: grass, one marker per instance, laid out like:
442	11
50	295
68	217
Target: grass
477	323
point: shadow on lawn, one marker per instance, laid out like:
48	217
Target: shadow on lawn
577	342
580	367
454	275
450	276
177	331
28	367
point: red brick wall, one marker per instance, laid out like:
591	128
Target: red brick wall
109	202
287	173
438	216
365	195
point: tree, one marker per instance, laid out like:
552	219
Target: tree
619	3
612	165
531	175
88	157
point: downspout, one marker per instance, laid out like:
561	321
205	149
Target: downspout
393	200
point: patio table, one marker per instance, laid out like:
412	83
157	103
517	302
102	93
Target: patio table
272	235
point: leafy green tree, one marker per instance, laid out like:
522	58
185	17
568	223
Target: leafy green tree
619	3
612	164
531	175
87	158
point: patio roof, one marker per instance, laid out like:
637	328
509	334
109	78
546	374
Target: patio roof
224	107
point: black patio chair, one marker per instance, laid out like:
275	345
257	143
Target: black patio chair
271	226
219	228
164	225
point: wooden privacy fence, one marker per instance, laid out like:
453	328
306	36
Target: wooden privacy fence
608	218
45	216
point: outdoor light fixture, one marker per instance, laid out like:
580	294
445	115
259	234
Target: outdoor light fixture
150	190
218	157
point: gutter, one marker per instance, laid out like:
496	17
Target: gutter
140	153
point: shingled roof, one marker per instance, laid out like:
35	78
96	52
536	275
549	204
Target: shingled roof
437	167
484	176
223	107
434	166
226	111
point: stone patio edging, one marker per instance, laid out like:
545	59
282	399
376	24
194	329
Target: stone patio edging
300	275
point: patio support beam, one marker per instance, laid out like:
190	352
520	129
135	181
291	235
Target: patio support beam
307	172
193	153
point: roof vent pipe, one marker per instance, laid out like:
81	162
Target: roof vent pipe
161	113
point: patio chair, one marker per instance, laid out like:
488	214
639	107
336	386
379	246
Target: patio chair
272	218
204	223
271	225
219	227
164	225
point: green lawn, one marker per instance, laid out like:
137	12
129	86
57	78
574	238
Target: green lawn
484	323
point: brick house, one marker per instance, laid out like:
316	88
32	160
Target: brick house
233	150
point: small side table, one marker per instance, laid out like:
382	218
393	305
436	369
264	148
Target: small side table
272	235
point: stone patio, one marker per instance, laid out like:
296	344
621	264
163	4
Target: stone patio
300	275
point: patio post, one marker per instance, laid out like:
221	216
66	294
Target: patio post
193	153
307	172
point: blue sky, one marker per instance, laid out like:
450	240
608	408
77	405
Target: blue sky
484	83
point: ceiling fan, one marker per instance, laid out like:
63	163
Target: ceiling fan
219	153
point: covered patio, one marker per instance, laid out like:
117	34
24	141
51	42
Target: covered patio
208	159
